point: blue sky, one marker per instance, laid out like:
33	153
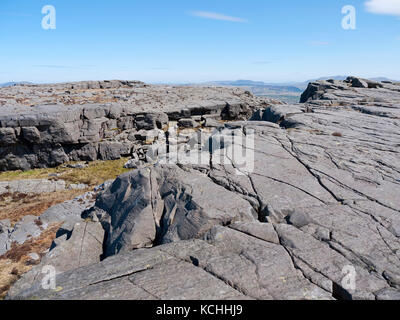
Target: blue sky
195	41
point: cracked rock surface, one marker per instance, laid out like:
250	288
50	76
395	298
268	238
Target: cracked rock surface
316	215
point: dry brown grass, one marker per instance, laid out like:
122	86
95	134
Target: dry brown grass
16	206
96	173
16	262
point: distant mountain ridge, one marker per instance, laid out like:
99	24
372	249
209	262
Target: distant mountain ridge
285	86
10	84
259	84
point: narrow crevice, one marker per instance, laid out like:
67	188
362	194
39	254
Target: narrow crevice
195	262
297	267
251	235
257	272
339	293
356	191
290	185
148	292
118	277
81	245
294	155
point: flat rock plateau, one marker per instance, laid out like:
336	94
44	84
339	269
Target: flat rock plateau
311	211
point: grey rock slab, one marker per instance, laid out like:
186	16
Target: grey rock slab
180	280
83	248
118	289
330	263
25	229
263	231
188	123
5	225
388	294
5	243
7	136
164	204
69	211
115	267
31	134
32	186
212	123
191	269
34	256
251	265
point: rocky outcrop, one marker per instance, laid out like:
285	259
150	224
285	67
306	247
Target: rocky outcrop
311	211
163	204
47	125
352	91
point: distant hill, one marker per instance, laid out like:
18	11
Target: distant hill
303	85
289	91
10	84
257	84
383	79
286	93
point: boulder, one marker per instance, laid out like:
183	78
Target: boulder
25	229
159	205
113	150
5	243
7	136
188	123
31	134
357	82
151	121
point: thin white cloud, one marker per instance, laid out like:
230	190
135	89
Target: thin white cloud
388	7
216	16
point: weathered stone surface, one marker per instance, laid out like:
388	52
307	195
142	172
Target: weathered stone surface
152	121
188	123
212	123
34	256
26	228
5	225
263	231
31	134
83	248
7	136
164	204
314	201
5	243
194	269
113	150
62	123
133	163
33	186
68	212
